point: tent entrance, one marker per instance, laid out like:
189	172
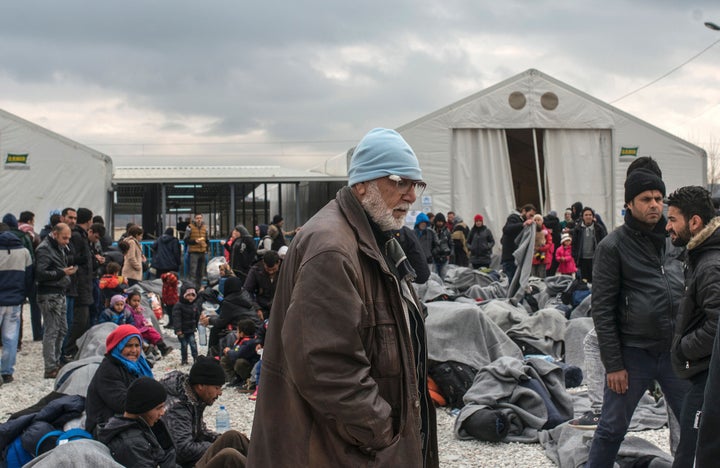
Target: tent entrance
527	165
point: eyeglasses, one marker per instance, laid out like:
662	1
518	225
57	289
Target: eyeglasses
404	185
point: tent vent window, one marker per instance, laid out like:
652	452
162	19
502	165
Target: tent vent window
517	100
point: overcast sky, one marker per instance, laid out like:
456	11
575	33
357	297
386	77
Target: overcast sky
292	83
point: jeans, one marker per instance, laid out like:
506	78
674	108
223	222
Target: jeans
643	367
439	267
10	324
685	454
53	308
185	340
197	268
594	371
509	268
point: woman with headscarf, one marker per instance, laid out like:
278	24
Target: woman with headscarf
124	362
243	252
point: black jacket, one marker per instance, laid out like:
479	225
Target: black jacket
261	287
512	228
50	260
636	291
82	257
243	255
481	241
106	392
133	443
184	419
185	315
166	253
697	320
578	238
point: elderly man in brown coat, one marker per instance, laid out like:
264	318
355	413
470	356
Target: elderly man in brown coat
344	379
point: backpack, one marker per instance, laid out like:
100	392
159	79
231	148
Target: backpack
568	295
58	437
454	379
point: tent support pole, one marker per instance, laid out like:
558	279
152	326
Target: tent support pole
163	208
541	208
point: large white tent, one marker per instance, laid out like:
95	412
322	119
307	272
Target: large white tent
42	171
532	138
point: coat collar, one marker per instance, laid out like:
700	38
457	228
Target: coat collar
704	234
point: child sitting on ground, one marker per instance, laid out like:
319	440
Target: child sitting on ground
111	283
185	316
238	361
147	331
566	262
117	313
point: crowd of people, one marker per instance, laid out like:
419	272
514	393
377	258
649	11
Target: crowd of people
333	323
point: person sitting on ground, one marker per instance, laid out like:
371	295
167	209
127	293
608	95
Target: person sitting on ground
185	316
148	332
117	313
139	437
236	305
111	283
188	396
123	363
237	361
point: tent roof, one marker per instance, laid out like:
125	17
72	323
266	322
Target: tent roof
259	174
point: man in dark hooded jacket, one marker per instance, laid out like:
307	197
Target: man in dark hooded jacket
166	253
243	253
236	305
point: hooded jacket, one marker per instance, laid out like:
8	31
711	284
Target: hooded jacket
481	243
185	314
426	237
16	270
166	253
106	392
243	253
445	244
133	443
184	419
697	320
339	358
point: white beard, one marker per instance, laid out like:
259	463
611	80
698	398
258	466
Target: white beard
378	211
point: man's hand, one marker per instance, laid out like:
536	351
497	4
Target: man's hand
70	270
528	222
204	320
260	314
618	381
225	351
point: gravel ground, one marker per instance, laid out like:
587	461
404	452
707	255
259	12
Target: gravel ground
29	387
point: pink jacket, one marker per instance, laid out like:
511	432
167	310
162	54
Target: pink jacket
546	249
566	263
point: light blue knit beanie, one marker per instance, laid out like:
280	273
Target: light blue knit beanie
383	152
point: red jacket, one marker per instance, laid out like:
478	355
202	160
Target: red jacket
566	263
169	289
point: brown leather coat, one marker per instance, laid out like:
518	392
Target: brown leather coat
339	386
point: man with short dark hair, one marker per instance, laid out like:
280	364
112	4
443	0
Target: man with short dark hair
197	240
346	354
586	236
261	282
637	286
514	225
692	223
82	285
69	217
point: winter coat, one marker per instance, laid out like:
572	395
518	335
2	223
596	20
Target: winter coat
460	245
340	357
512	228
82	257
236	305
244	349
697	319
414	251
133	443
51	259
185	315
132	266
166	253
141	322
261	287
552	223
106	392
578	240
196	237
426	237
444	249
109	315
184	419
566	262
481	243
243	254
16	270
636	291
169	289
543	252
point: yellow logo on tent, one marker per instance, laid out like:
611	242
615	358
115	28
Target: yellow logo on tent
628	151
16	158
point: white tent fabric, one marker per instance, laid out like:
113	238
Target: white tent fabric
577	168
484	154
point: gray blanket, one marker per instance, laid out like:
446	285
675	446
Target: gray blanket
523	259
463	333
544	330
84	452
497	386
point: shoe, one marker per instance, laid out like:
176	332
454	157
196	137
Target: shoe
7	378
166	350
587	421
51	374
253	397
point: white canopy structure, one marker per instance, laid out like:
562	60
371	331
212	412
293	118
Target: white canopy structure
534	139
42	171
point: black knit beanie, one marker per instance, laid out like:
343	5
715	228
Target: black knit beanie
143	395
641	180
207	370
487	424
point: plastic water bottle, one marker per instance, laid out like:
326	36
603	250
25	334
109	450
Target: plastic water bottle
202	334
222	420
